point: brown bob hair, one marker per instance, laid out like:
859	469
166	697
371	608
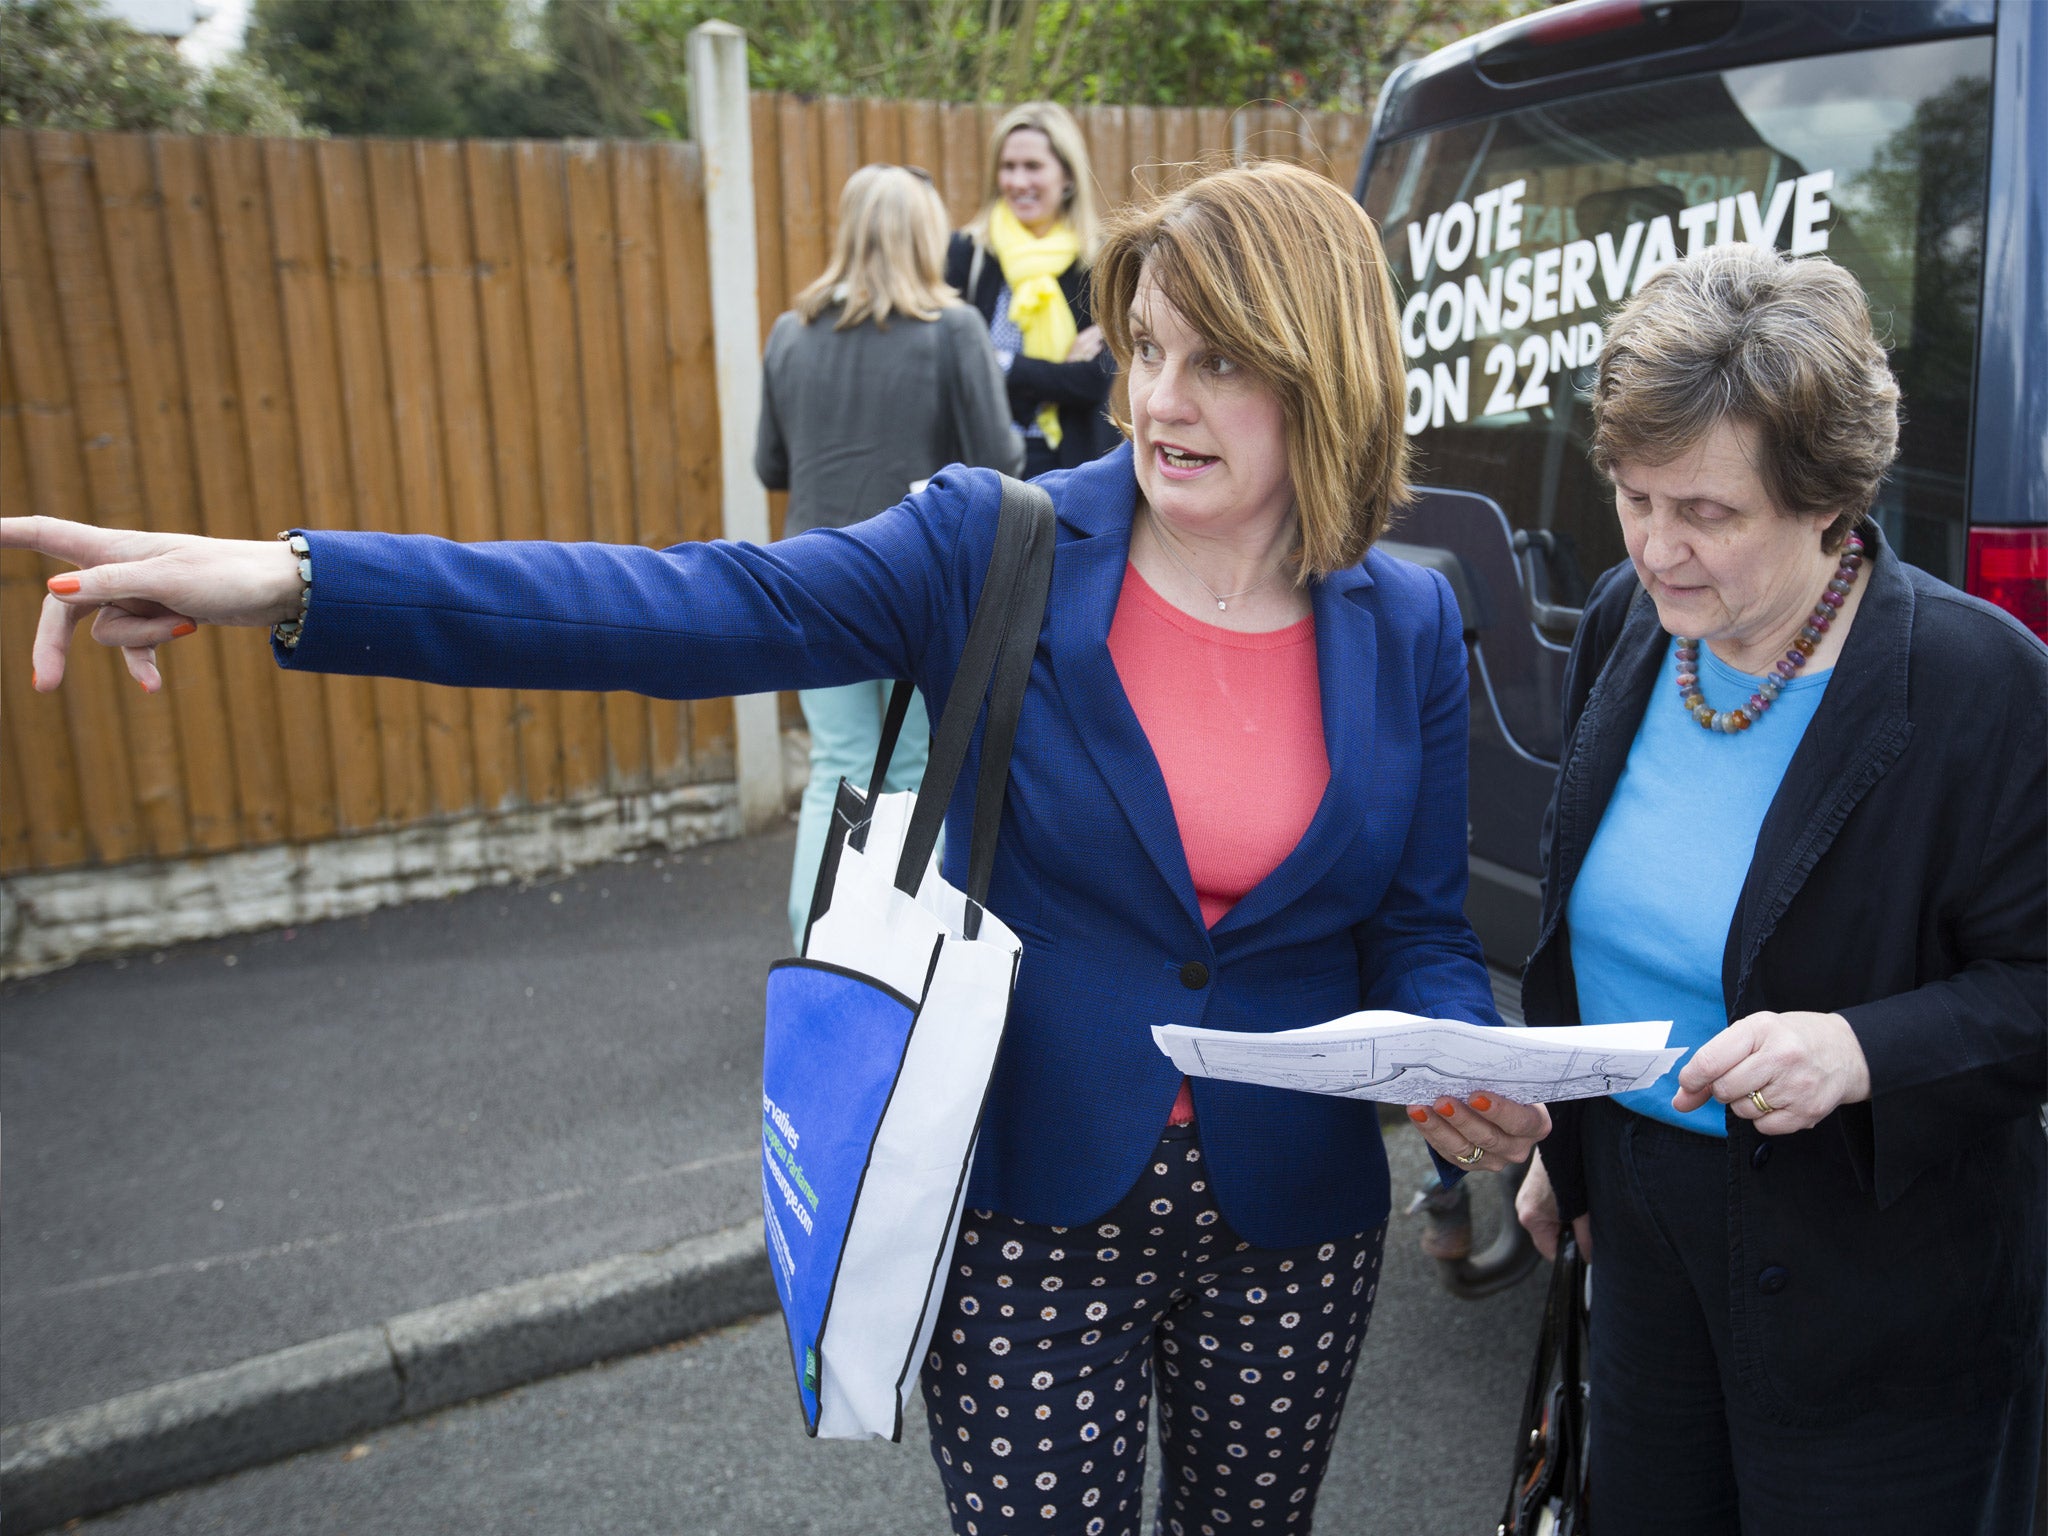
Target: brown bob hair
1744	333
1283	273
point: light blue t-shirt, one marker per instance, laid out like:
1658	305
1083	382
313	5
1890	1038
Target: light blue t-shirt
1652	904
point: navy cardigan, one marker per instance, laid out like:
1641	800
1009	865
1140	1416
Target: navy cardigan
1900	879
1366	912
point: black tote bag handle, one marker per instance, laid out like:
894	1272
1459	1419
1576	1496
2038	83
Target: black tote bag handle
995	666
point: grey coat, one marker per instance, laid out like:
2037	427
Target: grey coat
850	418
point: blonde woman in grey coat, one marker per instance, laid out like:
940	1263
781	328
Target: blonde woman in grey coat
878	378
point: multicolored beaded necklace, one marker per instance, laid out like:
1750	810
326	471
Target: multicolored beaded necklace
1730	721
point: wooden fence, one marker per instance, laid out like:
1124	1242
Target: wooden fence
482	340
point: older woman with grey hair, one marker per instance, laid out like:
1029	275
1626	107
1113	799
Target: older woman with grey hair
1803	813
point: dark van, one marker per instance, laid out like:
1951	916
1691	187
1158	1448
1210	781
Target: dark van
1527	180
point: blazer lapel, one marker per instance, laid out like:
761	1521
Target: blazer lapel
1855	736
1347	669
1097	503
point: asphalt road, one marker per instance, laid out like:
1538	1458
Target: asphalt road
703	1439
246	1144
258	1141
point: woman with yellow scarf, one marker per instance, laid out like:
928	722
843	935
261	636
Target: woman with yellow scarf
1023	263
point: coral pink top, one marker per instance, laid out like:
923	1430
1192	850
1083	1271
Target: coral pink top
1236	722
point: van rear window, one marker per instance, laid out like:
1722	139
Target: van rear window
1512	238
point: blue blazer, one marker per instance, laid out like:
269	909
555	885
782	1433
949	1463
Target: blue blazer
1367	911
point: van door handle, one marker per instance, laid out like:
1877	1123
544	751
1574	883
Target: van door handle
1536	579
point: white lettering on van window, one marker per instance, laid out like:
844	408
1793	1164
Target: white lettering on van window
1510	229
1546	284
1411	312
1516	313
1576	291
1810	211
1447	301
1658	252
1454	237
1452	388
1694	222
1559	278
1419	249
1485	205
1763	229
1415	414
1616	266
1482	304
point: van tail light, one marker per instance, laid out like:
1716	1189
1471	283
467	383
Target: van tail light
1570	23
2009	567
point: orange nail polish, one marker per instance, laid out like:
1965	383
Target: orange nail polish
1447	1107
64	585
1418	1114
182	630
1480	1102
34	682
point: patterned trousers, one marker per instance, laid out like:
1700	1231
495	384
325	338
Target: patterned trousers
1051	1341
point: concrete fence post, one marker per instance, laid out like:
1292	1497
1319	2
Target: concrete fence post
722	125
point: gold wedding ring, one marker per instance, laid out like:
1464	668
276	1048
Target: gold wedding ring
1471	1159
1763	1105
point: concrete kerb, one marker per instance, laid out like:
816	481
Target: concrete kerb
182	1432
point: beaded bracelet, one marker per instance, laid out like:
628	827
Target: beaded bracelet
287	633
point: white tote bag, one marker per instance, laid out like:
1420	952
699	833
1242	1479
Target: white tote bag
882	1037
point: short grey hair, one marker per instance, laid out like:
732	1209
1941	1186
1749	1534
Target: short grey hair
1744	333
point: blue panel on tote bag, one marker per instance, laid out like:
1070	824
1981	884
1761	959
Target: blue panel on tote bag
834	1046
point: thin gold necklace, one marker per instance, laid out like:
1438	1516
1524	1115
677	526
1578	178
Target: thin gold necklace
1223	600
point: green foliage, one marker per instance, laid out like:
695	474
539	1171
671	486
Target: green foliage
414	68
1312	53
619	68
66	64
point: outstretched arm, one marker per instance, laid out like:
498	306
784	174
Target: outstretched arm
141	589
698	620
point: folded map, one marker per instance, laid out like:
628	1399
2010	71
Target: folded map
1401	1058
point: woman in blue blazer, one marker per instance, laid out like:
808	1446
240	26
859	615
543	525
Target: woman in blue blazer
1226	1234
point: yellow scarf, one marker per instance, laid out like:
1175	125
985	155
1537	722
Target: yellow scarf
1031	266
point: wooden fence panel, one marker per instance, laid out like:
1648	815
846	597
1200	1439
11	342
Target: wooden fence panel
221	471
481	340
416	434
839	149
132	216
1177	146
291	183
801	157
235	172
1107	132
693	404
921	143
508	376
656	519
99	387
774	288
465	428
881	131
558	417
45	781
53	437
354	278
964	152
594	249
1143	141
